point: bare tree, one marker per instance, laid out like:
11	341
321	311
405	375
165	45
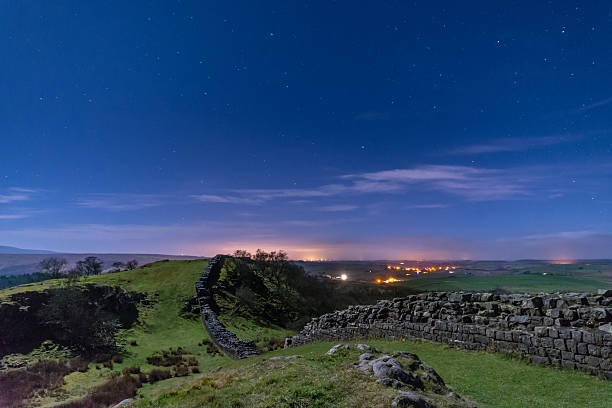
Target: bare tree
133	264
89	266
53	266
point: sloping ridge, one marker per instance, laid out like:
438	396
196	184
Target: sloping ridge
226	340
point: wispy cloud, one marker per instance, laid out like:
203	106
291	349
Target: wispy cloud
513	145
16	194
588	107
225	199
470	183
339	207
120	202
426	206
13	216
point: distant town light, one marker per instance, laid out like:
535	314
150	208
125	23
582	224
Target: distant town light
343	276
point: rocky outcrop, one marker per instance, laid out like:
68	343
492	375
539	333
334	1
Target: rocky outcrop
569	330
418	384
223	338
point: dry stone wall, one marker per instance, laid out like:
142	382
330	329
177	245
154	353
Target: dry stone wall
571	330
226	340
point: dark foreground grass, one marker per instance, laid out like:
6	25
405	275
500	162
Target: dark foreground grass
315	381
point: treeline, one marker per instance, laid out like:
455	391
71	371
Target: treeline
266	287
55	267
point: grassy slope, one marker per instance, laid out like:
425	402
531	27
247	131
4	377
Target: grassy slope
314	380
160	327
486	378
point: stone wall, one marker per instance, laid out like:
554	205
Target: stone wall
226	340
571	330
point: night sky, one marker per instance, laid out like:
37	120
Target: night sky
339	130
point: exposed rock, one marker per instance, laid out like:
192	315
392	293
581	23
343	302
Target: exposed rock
410	399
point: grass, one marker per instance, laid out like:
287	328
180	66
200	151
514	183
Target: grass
486	378
512	283
317	381
168	284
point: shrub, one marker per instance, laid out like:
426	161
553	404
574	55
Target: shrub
159	374
142	377
131	370
211	348
117	359
181	371
79	364
108	364
195	370
19	385
111	392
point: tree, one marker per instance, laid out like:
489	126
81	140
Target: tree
133	264
89	266
242	253
53	266
118	266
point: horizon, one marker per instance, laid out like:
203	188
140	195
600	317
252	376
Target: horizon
404	131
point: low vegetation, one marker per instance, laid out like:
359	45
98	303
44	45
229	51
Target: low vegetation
315	380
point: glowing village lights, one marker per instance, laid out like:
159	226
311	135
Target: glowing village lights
343	277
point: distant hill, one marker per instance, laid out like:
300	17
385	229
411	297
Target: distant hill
19	263
13	250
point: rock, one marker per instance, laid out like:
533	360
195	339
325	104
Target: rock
363	347
285	357
410	399
606	328
336	348
124	402
604	292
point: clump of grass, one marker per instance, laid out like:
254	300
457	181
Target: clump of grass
79	364
19	385
181	371
211	348
111	392
171	357
117	359
131	370
270	344
159	374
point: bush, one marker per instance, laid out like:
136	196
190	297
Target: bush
181	371
211	348
195	370
79	364
131	370
159	374
111	392
117	359
19	385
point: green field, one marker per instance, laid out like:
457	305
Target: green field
511	283
487	379
318	381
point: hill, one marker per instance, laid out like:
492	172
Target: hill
168	331
27	262
13	250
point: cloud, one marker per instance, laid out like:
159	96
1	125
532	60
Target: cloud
421	206
16	194
512	145
210	198
603	102
339	207
474	184
470	183
121	202
13	216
